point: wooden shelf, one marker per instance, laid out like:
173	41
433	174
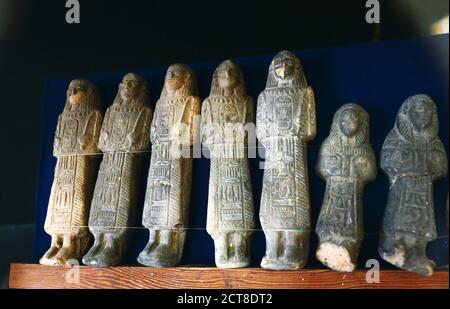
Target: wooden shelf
24	276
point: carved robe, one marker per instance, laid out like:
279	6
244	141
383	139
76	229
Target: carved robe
76	140
286	119
124	134
346	168
230	199
168	184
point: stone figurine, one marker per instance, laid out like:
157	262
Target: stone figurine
125	135
286	120
413	157
170	174
225	115
76	148
347	163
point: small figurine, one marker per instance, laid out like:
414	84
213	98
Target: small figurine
413	157
225	114
125	134
170	174
286	120
347	163
76	150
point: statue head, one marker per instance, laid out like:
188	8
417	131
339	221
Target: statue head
132	90
286	69
350	124
418	115
420	112
82	95
179	80
228	79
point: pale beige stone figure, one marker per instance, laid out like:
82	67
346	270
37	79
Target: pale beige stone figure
166	206
76	150
225	113
124	137
286	120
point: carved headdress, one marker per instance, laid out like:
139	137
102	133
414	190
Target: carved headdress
216	90
404	125
298	79
92	100
142	96
189	88
338	138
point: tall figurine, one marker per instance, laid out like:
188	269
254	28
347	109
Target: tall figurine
125	134
76	150
169	180
347	163
286	120
225	114
413	157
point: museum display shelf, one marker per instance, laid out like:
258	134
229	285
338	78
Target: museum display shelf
35	276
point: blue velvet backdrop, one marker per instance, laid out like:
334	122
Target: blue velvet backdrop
378	76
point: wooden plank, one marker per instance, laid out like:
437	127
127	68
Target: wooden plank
128	277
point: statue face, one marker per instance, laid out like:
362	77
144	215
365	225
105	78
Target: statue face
77	93
284	68
420	115
228	78
129	87
349	123
175	78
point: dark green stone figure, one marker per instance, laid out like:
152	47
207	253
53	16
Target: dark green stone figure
347	163
413	157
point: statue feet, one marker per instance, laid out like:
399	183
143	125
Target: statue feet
412	259
232	263
290	260
106	257
49	257
65	249
106	251
336	257
232	251
285	250
161	256
164	248
281	264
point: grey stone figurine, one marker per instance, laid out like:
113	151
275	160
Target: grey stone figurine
76	150
174	125
413	157
347	163
225	114
286	120
124	135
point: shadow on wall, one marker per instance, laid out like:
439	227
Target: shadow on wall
16	244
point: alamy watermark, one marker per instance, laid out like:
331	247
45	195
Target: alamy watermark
73	12
72	276
373	274
373	12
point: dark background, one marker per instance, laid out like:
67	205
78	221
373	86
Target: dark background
36	42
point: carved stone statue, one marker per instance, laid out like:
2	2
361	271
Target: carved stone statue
125	134
347	163
76	150
169	179
413	157
225	113
286	120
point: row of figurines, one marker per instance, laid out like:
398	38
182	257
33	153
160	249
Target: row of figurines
104	204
